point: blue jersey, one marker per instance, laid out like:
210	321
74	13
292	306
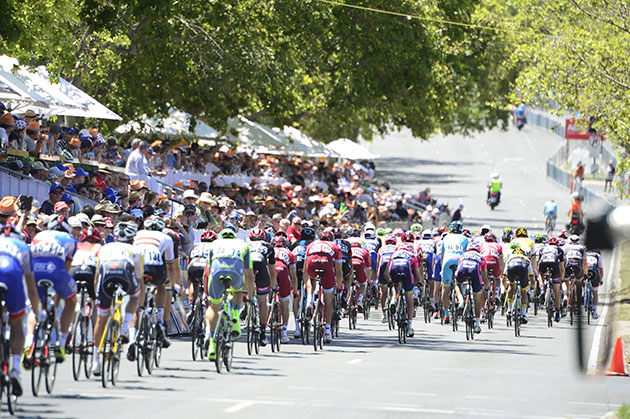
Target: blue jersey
54	245
520	111
373	245
551	209
19	251
453	246
427	246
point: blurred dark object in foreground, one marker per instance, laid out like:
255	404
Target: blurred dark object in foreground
604	229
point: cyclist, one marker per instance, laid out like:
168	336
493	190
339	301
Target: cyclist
346	258
286	278
197	262
527	245
426	248
508	234
362	266
52	251
596	271
453	246
83	267
158	253
551	258
373	244
323	254
118	262
437	268
263	258
472	265
15	267
550	212
404	269
299	250
575	263
518	267
492	252
485	229
384	255
229	258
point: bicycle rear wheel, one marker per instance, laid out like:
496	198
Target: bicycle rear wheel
51	368
150	342
549	307
140	344
196	332
467	318
106	354
366	308
87	346
535	297
228	355
78	342
250	331
11	399
220	341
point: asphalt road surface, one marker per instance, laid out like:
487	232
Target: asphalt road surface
367	373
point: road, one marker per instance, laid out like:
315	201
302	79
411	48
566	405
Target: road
366	372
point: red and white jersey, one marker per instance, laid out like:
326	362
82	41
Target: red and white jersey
284	256
491	252
156	247
86	254
361	258
326	249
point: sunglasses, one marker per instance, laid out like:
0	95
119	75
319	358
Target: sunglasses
189	214
57	192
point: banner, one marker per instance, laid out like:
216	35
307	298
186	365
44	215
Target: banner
574	131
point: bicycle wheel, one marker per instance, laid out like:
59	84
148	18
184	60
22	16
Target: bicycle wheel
549	307
273	330
106	354
490	317
535	297
589	304
454	313
571	304
321	322
157	353
87	346
51	368
116	361
220	339
11	399
37	371
366	309
316	326
467	316
517	318
278	322
78	341
250	331
150	342
140	343
390	317
228	354
196	327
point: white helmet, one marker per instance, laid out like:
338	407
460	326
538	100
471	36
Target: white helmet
487	228
494	175
369	226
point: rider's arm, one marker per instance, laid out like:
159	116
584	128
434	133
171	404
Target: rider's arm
293	276
273	276
339	272
249	282
31	289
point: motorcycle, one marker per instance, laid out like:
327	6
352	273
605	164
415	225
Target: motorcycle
493	200
575	226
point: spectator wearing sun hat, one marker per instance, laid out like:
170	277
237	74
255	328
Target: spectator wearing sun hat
39	171
55	193
31	138
7	124
7	208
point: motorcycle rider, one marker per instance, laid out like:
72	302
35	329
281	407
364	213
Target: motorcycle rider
494	185
576	214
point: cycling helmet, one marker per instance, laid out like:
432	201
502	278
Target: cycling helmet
369	226
338	233
519	251
380	232
390	239
561	242
227	233
426	234
507	235
485	229
281	233
467	233
357	243
515	245
91	234
416	228
574	239
125	231
154	223
409	237
353	232
257	234
308	233
327	235
474	246
399	232
10	231
575	195
280	241
563	234
553	241
521	232
538	238
388	230
456	227
490	237
369	234
208	236
59	223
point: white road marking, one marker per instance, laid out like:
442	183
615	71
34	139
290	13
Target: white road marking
388	346
592	359
483	397
450	369
417	394
239	406
316	388
611	405
355	361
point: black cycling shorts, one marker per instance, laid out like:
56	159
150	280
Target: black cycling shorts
196	268
347	268
518	273
573	269
157	273
111	273
261	274
593	275
554	268
84	276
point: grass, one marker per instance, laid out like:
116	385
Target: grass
624	412
624	293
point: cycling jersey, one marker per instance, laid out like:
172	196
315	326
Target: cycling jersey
373	246
551	209
263	255
595	267
227	258
385	254
427	248
346	256
284	261
360	261
549	259
15	261
157	249
322	255
83	267
453	246
471	265
526	244
492	253
518	268
401	266
51	250
574	255
198	261
118	263
299	250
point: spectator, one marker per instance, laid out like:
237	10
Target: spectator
31	138
39	171
54	195
457	215
400	211
610	176
61	208
294	230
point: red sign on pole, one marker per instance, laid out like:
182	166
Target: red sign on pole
573	131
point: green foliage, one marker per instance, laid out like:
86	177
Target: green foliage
332	71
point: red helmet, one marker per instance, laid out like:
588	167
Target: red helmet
208	236
563	235
408	237
490	237
390	239
92	234
553	241
474	246
399	233
356	243
279	241
257	234
281	233
327	235
338	233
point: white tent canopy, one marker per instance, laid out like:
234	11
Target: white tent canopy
176	124
252	136
351	150
309	146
